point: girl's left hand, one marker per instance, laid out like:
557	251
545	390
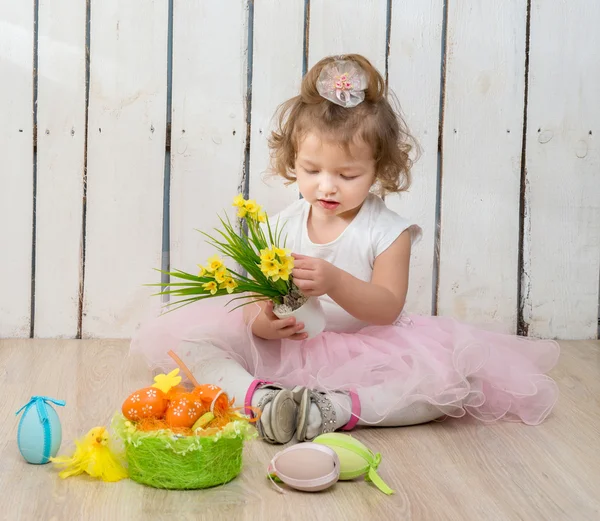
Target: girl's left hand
315	277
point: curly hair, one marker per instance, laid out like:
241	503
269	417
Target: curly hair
373	121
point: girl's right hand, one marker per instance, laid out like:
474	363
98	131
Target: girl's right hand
269	327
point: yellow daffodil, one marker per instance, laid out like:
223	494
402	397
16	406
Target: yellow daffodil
251	207
229	284
282	252
165	382
270	268
210	286
283	274
287	263
221	274
267	255
202	272
258	215
214	263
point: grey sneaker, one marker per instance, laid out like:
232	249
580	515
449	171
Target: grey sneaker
329	421
277	424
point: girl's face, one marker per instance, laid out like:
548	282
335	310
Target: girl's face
334	180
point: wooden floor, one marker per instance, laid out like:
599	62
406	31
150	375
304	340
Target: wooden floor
454	470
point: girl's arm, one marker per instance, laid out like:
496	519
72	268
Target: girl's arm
378	302
266	325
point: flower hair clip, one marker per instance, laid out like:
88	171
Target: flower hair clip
342	82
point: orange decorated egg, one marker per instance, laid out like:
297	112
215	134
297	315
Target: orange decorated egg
184	410
149	402
212	396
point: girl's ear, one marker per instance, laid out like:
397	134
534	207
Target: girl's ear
376	186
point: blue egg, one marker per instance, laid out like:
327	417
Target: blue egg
40	434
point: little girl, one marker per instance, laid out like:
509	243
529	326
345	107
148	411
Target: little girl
342	142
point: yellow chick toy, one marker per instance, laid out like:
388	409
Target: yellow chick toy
92	456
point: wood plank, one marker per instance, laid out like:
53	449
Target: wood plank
16	151
482	142
60	166
486	472
276	77
562	205
414	70
209	122
359	26
126	151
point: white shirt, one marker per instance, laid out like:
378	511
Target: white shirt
370	233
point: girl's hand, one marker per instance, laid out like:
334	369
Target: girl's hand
314	277
269	327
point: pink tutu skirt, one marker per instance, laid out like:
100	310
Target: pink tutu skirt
458	368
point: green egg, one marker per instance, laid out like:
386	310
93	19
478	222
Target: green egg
355	458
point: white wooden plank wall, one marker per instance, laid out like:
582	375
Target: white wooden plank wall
510	239
126	152
60	166
276	76
208	135
414	69
485	79
562	251
356	26
16	167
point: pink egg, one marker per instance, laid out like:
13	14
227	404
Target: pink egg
306	466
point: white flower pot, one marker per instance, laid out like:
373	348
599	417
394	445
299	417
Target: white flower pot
310	314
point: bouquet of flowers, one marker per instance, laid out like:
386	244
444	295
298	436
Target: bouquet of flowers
258	250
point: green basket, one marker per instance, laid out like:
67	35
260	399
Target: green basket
161	459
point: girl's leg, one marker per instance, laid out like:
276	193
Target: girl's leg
374	400
351	409
414	414
210	365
